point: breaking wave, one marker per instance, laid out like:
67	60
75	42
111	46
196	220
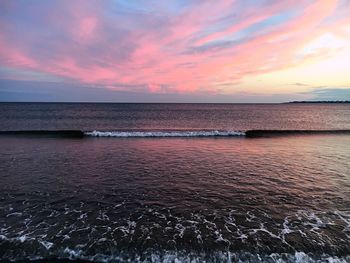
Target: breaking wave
170	133
124	134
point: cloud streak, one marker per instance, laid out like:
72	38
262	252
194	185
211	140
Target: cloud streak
179	47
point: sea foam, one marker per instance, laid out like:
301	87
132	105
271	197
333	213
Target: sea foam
124	134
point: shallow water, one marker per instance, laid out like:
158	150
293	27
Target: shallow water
234	199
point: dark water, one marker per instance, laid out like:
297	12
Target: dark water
41	116
183	199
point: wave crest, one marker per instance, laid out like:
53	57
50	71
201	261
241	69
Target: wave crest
124	134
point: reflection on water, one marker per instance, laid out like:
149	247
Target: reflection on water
284	198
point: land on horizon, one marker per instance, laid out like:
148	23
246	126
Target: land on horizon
320	101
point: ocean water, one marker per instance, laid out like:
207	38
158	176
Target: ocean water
175	183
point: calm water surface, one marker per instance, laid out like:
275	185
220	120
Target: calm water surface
89	116
214	199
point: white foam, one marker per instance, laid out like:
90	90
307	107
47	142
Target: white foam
125	134
46	244
14	214
345	217
221	256
72	253
22	238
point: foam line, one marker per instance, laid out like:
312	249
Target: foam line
174	133
123	134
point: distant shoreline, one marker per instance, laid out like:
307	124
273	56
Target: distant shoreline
226	103
321	101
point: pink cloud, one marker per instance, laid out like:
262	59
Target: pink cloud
86	27
251	17
14	57
164	50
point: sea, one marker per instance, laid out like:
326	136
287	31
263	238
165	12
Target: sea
104	182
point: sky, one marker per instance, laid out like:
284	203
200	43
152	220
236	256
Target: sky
174	51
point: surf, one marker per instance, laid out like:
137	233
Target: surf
169	133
